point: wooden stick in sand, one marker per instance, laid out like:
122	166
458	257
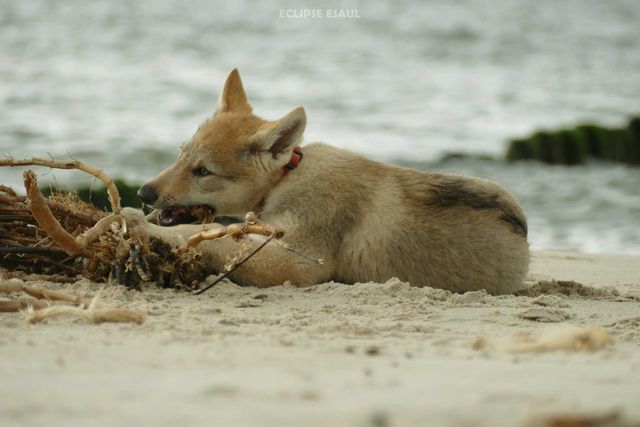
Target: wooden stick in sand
49	304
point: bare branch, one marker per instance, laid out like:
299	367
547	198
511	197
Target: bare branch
114	195
22	304
250	226
45	219
96	315
49	303
8	190
96	231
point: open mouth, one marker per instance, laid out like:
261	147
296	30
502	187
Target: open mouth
175	215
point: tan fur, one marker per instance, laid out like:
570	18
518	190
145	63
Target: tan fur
369	221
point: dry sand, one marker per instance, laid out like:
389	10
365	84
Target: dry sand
331	355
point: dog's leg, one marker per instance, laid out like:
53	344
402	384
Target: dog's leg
271	266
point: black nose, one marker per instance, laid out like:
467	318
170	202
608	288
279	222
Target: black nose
148	194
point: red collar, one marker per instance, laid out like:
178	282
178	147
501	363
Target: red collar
296	157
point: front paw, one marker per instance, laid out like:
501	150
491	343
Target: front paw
134	217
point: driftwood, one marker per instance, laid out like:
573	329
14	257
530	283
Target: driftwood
66	237
47	304
114	195
251	225
92	315
63	237
41	212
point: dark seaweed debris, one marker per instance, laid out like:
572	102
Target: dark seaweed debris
130	258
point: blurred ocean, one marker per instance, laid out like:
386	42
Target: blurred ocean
121	84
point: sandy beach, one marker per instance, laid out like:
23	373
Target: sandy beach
539	97
363	355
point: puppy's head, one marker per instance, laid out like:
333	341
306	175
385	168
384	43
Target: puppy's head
229	164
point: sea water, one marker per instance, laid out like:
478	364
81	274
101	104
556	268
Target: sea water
121	84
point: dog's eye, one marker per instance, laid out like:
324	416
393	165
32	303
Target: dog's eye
201	171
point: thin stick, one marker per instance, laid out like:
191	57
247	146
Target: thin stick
26	304
112	190
47	294
97	315
236	231
42	294
290	248
49	303
98	229
235	267
45	219
8	190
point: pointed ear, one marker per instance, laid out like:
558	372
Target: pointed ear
284	134
232	98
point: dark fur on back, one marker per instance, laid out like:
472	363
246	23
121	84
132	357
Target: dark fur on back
447	192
